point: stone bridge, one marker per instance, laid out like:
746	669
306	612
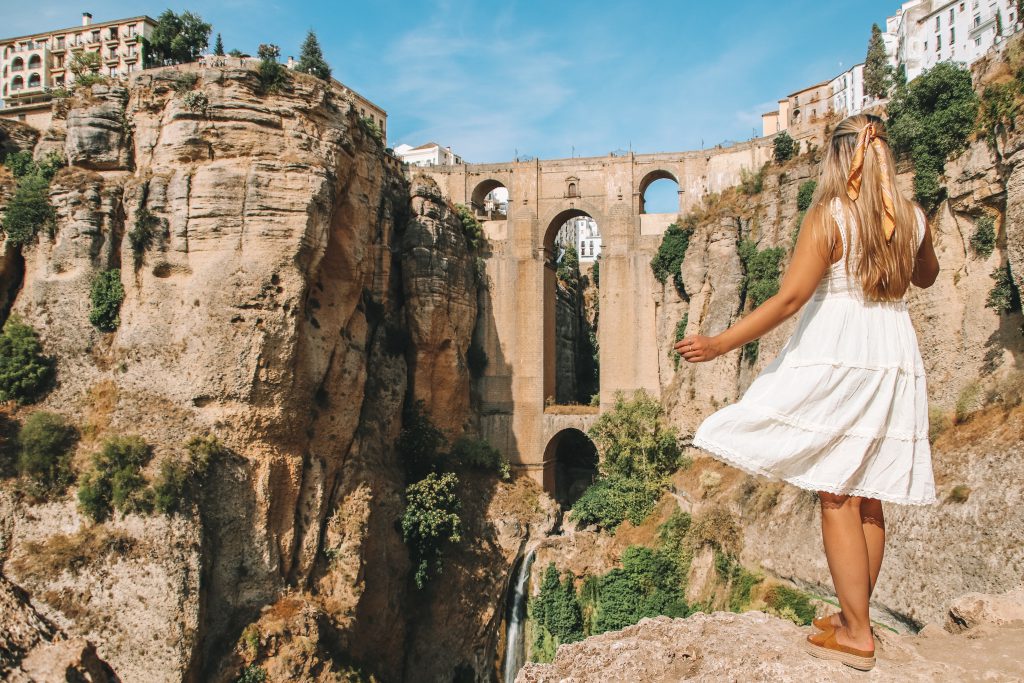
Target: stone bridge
518	308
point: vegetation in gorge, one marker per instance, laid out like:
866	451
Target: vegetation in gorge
45	445
805	195
106	295
472	229
29	210
1003	298
652	581
432	519
983	240
752	182
669	258
930	119
677	336
26	374
638	452
760	282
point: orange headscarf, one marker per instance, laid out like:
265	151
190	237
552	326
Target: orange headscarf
869	136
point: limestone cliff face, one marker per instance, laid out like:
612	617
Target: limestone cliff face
292	295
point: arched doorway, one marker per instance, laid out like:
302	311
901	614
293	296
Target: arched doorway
659	192
489	200
572	244
570	465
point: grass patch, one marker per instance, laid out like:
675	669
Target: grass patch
72	552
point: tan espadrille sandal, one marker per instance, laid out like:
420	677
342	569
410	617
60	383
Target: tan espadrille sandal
824	646
824	623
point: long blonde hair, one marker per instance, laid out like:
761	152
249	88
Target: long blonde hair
883	266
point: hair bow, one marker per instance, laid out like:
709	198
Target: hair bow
869	136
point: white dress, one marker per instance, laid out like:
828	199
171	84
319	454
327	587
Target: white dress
843	408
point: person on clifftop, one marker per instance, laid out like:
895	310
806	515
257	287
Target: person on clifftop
843	409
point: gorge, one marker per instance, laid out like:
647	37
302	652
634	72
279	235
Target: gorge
294	295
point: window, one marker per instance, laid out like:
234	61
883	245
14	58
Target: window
961	7
926	46
951	15
938	43
112	53
131	68
113	71
977	20
34	81
113	33
977	41
59	80
60	43
572	189
938	22
952	36
18	64
95	36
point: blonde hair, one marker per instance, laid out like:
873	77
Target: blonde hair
883	267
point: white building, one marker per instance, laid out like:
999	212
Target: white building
430	154
848	92
926	32
584	233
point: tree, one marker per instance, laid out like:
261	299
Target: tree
84	63
311	60
270	72
431	521
106	295
218	46
929	119
46	440
784	147
878	76
25	373
632	440
178	38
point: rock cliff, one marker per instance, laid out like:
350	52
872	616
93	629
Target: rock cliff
288	291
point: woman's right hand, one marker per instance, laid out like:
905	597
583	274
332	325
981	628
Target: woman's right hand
698	349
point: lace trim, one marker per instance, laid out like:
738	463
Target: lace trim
736	461
810	362
797	423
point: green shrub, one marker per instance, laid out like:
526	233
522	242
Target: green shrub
29	210
106	295
25	373
998	109
760	271
939	422
270	74
718	528
983	241
20	163
751	183
967	402
930	118
612	499
784	600
430	521
805	195
595	272
677	336
143	234
472	229
180	482
739	581
114	481
45	446
669	259
750	350
633	439
648	585
555	613
252	674
196	101
371	128
783	147
569	267
1003	298
479	454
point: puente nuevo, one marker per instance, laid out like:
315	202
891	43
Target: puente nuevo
518	319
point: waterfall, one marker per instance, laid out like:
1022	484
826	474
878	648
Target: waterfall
515	619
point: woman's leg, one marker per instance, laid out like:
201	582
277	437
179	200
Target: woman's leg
872	523
847	553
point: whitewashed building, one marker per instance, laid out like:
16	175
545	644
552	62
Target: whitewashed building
583	232
847	90
429	154
923	33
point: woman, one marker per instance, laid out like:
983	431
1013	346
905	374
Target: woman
843	409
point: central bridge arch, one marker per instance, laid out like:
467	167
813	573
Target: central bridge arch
516	313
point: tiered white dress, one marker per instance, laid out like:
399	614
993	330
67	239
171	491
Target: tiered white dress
843	408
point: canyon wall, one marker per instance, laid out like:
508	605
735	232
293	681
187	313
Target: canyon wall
290	292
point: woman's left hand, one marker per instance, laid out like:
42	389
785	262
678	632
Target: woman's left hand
697	348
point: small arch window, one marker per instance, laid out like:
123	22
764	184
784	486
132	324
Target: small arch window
572	190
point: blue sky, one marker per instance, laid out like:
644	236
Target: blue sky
545	79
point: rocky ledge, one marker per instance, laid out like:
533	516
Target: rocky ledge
980	641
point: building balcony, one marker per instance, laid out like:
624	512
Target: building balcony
112	59
131	38
131	56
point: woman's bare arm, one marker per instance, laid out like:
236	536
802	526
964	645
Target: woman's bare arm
926	269
802	277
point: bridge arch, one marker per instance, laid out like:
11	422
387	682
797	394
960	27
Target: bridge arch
649	179
570	465
556	219
479	199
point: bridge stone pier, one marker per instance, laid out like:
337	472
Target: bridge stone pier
518	306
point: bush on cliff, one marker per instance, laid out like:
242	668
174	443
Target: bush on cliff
983	240
1003	298
783	147
272	76
430	522
669	259
479	454
556	615
472	229
45	445
610	500
930	118
633	439
106	295
25	373
180	482
29	210
114	481
805	194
